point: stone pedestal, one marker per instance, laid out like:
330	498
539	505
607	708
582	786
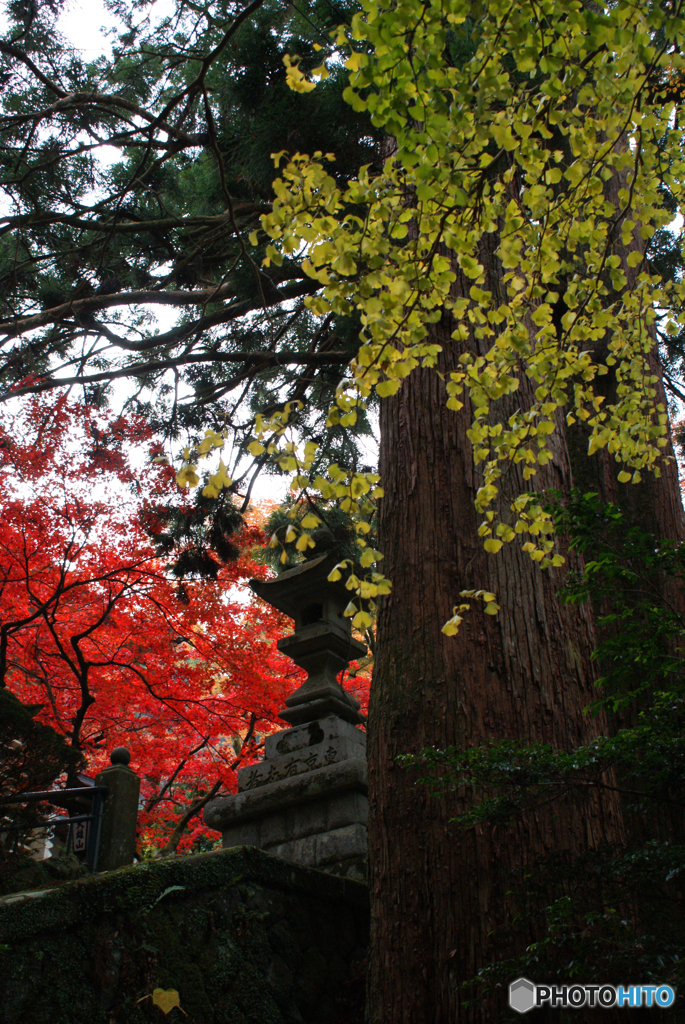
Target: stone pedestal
306	801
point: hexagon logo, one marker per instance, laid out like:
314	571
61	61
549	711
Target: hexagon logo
522	995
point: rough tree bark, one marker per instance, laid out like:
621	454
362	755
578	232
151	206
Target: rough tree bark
439	893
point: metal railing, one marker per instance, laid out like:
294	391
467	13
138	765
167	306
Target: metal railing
65	798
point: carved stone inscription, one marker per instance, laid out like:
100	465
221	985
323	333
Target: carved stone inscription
303	749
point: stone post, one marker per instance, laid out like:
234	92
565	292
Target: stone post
120	814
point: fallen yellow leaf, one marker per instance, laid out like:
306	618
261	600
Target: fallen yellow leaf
166	1000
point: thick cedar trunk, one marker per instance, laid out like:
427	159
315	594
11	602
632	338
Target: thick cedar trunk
439	892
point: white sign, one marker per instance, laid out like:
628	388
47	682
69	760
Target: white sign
79	836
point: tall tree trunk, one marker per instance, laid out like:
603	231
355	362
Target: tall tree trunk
438	893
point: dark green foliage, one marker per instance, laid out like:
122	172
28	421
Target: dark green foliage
100	244
628	575
585	911
617	913
198	537
335	535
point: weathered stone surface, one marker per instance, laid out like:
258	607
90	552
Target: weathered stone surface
118	828
312	781
305	594
313	786
342	851
341	844
330	703
313	734
347	808
322	643
246	834
243	937
323	650
299	750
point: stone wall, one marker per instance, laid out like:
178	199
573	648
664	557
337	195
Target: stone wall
245	938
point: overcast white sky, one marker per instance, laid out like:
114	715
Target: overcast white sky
81	23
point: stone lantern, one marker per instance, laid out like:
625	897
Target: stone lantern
322	643
307	800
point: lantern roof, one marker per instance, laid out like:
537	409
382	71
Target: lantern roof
307	583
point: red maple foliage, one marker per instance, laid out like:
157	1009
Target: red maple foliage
91	625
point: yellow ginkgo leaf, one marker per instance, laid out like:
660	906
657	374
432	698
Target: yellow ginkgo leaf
356	61
362	620
166	1000
188	477
298	83
388	387
451	627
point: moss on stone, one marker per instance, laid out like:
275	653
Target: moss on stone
243	937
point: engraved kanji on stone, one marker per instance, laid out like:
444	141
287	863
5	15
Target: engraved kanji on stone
330	755
272	775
